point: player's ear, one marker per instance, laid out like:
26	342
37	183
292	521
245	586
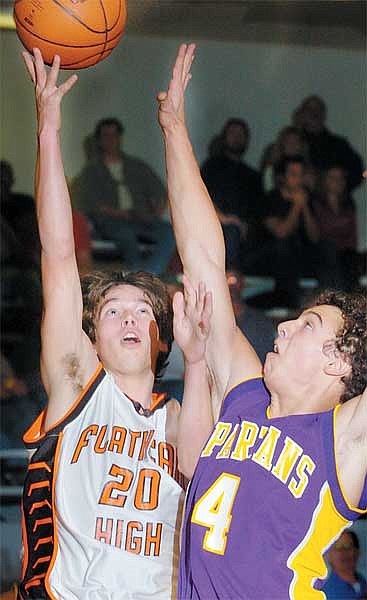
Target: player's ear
335	362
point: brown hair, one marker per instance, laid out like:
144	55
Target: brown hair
351	340
95	287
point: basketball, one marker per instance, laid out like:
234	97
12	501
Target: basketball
81	32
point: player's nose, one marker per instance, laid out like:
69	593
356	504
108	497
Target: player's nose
128	319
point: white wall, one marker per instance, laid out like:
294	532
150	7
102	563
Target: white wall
259	82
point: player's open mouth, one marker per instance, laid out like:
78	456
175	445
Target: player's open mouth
131	338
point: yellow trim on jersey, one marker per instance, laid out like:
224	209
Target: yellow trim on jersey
350	506
240	382
306	561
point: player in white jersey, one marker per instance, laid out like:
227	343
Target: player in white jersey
102	497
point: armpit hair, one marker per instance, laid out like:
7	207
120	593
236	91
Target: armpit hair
73	372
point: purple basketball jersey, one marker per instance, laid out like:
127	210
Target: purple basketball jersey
264	504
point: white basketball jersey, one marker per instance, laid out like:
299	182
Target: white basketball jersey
117	501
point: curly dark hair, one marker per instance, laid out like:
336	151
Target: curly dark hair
351	340
95	287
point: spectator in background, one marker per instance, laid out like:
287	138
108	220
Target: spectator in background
21	297
293	231
344	582
258	328
125	201
172	379
336	217
20	403
326	148
234	186
290	142
19	212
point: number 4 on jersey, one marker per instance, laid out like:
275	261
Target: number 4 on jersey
214	511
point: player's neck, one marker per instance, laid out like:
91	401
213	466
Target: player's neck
301	402
137	386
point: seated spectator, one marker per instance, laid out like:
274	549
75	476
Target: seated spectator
20	405
125	200
293	231
336	218
171	381
326	148
234	186
19	212
344	582
290	142
257	327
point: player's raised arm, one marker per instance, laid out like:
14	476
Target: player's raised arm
351	447
199	234
191	326
65	348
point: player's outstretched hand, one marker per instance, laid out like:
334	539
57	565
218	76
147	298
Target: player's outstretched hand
171	102
48	93
191	324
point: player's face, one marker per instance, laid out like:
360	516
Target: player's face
302	349
127	336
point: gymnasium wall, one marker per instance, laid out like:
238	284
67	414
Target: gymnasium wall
259	82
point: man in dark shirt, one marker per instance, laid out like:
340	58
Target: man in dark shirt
234	186
293	231
326	148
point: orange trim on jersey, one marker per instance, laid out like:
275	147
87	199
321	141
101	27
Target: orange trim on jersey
361	511
56	541
156	399
239	383
25	545
39	465
36	432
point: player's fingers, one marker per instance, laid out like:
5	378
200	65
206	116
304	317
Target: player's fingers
188	60
54	72
207	311
29	63
39	67
200	296
180	60
68	84
178	305
189	291
161	96
186	81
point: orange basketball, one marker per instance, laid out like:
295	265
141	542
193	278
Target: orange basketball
81	32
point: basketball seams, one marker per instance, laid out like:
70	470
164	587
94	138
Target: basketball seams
39	37
105	19
78	19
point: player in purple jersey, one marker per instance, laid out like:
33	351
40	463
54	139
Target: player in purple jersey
284	471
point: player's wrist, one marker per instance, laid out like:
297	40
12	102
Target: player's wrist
194	360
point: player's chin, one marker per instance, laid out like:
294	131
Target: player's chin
268	364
